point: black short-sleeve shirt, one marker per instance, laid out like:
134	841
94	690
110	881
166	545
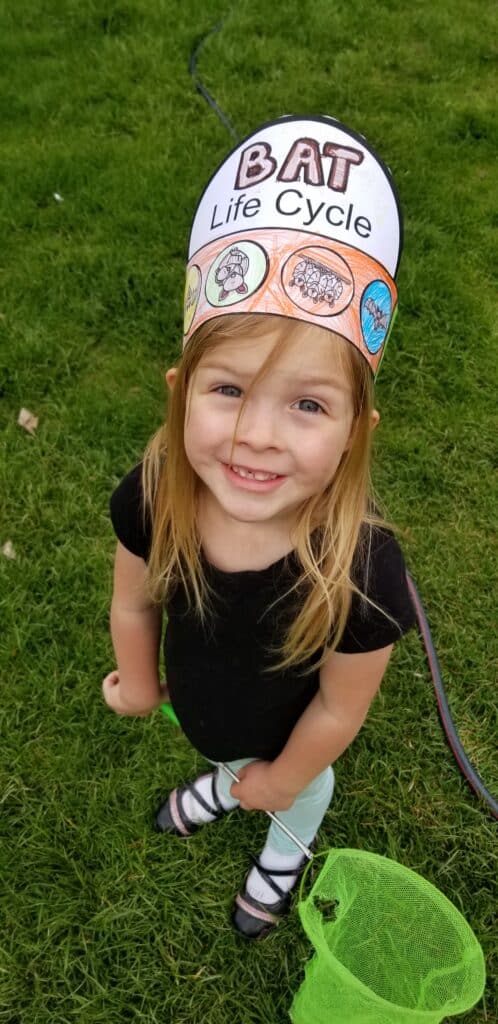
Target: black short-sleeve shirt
227	704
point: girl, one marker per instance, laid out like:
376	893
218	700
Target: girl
250	519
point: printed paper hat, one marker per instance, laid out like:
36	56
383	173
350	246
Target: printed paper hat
301	220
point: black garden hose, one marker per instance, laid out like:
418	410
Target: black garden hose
451	734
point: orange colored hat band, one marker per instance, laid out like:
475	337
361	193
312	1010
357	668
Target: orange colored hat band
295	274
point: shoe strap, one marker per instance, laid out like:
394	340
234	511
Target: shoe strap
190	788
214	796
175	806
268	873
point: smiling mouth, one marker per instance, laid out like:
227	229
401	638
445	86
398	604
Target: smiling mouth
253	474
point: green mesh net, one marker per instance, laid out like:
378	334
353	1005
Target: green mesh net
390	948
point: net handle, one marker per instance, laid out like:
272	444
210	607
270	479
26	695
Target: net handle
322	853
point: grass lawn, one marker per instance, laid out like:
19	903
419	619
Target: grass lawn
103	921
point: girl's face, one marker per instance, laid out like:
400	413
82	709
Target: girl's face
294	427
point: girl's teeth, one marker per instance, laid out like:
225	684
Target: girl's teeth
254	476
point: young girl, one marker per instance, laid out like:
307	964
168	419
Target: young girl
249	520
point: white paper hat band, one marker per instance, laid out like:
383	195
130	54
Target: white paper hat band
300	220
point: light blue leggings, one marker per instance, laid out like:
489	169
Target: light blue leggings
303	818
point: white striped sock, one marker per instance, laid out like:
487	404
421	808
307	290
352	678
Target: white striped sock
256	885
193	809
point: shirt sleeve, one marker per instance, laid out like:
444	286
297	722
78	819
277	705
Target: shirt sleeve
382	578
127	514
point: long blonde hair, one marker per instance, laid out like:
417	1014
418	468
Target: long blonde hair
331	527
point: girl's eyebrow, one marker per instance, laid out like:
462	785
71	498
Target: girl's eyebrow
221	368
310	380
317	380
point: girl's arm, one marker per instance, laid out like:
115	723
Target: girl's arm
136	637
348	684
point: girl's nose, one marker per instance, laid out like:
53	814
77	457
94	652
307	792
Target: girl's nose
258	427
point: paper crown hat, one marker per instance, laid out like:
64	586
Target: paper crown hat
301	220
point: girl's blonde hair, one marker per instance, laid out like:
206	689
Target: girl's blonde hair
331	529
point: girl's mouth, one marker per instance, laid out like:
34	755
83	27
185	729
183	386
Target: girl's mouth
252	479
253	474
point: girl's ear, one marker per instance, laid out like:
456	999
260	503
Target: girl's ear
374	422
170	377
374	419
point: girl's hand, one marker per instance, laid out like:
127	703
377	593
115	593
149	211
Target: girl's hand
113	698
110	690
257	792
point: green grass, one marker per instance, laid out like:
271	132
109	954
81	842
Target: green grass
103	921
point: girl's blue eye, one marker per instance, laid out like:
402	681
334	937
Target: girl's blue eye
228	390
308	405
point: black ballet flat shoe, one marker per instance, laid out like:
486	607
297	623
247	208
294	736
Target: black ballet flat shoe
255	919
171	817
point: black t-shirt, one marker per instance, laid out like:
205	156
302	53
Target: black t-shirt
228	706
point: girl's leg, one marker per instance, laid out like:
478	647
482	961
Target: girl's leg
305	816
280	852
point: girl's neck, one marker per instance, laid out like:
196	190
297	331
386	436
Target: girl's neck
234	546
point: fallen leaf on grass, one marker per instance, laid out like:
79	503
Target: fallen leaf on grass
9	551
27	420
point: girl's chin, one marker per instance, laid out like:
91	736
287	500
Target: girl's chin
246	509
